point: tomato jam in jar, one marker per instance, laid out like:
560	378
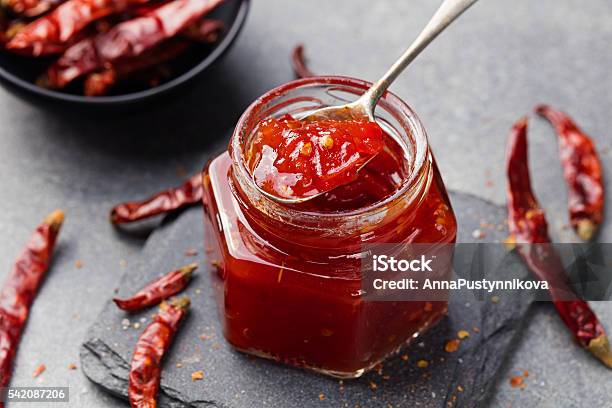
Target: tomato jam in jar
288	278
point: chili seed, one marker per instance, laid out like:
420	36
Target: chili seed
327	142
306	149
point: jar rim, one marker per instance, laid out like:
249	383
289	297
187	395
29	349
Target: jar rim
421	155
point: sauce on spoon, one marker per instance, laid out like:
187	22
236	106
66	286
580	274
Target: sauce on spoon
294	159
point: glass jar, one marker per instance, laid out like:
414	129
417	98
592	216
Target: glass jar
288	279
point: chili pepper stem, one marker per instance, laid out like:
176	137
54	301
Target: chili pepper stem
586	229
187	270
55	219
180	303
600	348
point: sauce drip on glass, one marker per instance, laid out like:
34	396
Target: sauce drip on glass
290	158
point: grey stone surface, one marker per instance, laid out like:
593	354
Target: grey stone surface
233	379
492	67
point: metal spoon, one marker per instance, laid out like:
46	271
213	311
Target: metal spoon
365	105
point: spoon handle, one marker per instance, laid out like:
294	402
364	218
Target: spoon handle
446	14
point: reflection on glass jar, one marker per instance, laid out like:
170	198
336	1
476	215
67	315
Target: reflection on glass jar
288	279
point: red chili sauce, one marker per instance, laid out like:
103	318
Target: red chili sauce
292	158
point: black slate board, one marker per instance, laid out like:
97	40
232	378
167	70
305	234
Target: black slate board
232	379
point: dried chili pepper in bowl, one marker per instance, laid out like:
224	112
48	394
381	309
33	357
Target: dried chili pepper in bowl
21	287
205	31
189	193
52	33
158	290
153	343
582	172
99	83
4	25
128	39
115	83
29	8
529	232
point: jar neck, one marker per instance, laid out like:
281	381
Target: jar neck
295	225
313	220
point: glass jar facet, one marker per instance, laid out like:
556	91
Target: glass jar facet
288	281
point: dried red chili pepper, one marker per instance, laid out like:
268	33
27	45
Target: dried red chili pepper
20	288
9	27
145	369
205	31
30	8
126	40
158	290
582	172
4	25
187	194
527	224
140	10
52	33
100	83
299	64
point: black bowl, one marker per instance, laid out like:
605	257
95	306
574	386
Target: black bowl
19	74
